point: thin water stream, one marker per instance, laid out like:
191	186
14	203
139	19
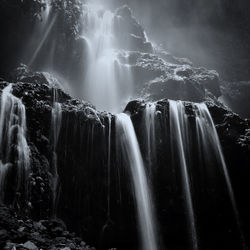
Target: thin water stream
127	141
13	144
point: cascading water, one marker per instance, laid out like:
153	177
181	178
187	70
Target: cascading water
209	141
109	163
127	141
150	113
105	75
210	148
14	150
56	120
179	130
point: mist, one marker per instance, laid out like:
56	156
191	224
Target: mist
214	34
124	124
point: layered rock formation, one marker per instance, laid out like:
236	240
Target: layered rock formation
82	160
75	171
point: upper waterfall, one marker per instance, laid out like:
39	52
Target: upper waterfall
105	74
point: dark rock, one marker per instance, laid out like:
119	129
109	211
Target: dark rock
134	107
3	235
175	89
44	239
82	145
72	246
9	246
21	229
156	78
236	96
30	245
60	239
129	32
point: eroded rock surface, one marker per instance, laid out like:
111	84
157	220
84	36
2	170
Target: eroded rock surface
82	154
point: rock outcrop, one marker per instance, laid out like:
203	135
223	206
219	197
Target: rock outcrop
156	78
82	164
236	96
131	36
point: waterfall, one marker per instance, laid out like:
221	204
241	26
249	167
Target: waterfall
56	120
46	12
208	138
127	140
103	84
109	163
149	116
14	150
179	132
210	148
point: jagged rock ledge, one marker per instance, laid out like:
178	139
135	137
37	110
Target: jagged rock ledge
82	150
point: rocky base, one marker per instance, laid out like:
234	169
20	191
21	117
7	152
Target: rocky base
20	232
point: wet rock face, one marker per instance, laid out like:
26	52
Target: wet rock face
156	78
130	34
236	96
36	92
234	137
82	163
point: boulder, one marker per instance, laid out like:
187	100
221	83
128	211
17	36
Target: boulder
30	246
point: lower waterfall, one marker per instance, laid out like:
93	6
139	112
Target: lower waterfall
127	141
56	120
179	130
150	114
208	137
14	150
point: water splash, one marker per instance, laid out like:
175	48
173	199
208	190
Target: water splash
179	132
14	150
207	135
127	140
